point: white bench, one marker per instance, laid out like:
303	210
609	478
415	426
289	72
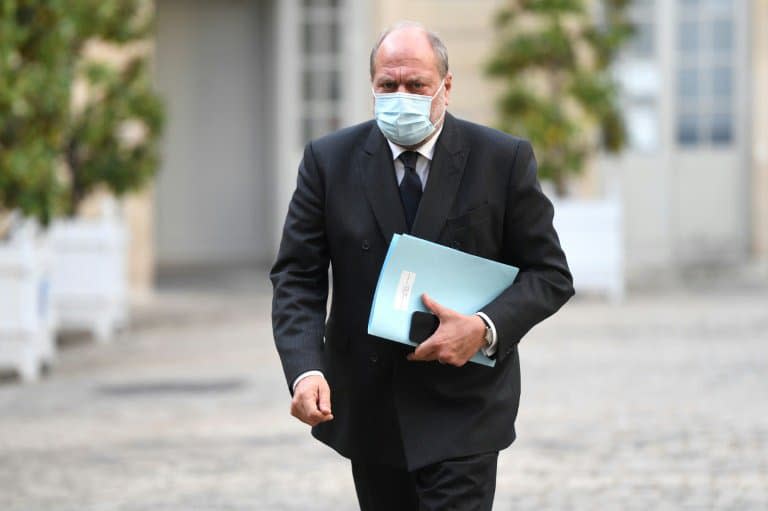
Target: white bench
591	235
27	322
89	275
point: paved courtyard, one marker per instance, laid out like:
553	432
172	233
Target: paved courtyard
660	403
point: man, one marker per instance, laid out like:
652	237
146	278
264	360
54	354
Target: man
422	427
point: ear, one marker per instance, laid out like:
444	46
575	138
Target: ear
448	84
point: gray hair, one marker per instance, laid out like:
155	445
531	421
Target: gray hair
441	52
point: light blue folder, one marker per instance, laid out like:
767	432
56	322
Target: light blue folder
457	280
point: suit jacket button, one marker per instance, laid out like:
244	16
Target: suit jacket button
366	245
374	359
456	244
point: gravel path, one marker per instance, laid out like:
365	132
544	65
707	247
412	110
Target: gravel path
658	403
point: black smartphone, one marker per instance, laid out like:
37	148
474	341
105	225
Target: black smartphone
423	325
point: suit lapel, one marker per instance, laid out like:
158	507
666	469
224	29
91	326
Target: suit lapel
380	184
445	175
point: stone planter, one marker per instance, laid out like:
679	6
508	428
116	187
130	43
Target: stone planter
27	320
591	233
89	275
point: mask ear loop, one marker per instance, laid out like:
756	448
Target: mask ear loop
445	108
442	84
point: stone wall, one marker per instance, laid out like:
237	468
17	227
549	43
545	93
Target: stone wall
760	132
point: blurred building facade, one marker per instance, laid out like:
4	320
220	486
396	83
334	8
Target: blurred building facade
248	82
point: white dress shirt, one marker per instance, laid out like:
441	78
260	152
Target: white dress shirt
423	162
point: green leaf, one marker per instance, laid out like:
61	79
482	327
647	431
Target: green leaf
561	99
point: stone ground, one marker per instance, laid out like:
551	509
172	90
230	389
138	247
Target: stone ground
658	403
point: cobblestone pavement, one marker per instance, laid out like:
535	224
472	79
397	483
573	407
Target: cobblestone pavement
660	403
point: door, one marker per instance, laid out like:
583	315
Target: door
684	176
212	190
708	167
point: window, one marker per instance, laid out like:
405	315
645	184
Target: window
638	72
705	73
321	67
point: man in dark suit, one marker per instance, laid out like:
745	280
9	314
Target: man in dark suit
422	428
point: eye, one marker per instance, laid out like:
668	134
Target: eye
416	86
388	85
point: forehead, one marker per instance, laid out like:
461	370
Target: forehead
406	48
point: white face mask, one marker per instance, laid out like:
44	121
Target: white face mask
405	118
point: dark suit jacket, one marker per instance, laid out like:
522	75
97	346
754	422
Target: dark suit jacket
482	197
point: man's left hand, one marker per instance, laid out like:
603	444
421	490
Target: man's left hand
455	341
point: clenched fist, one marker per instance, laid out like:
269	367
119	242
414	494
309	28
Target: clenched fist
311	402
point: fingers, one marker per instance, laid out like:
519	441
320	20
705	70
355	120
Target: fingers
311	402
425	351
437	309
433	350
454	342
324	400
307	411
440	352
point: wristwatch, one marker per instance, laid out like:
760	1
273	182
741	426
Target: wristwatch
488	333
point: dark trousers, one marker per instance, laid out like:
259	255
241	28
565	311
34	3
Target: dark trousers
461	484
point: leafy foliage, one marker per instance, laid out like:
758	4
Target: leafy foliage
52	155
554	58
35	83
113	140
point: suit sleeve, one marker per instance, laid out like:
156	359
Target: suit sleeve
300	276
544	283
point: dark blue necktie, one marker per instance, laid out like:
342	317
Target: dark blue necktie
410	187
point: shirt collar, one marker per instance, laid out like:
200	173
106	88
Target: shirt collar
427	150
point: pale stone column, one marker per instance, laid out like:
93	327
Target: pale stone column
760	132
288	147
359	36
139	212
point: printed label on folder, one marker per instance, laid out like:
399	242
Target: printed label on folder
404	289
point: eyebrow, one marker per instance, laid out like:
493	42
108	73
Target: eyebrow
408	80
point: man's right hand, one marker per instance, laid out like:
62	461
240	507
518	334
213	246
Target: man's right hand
311	402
